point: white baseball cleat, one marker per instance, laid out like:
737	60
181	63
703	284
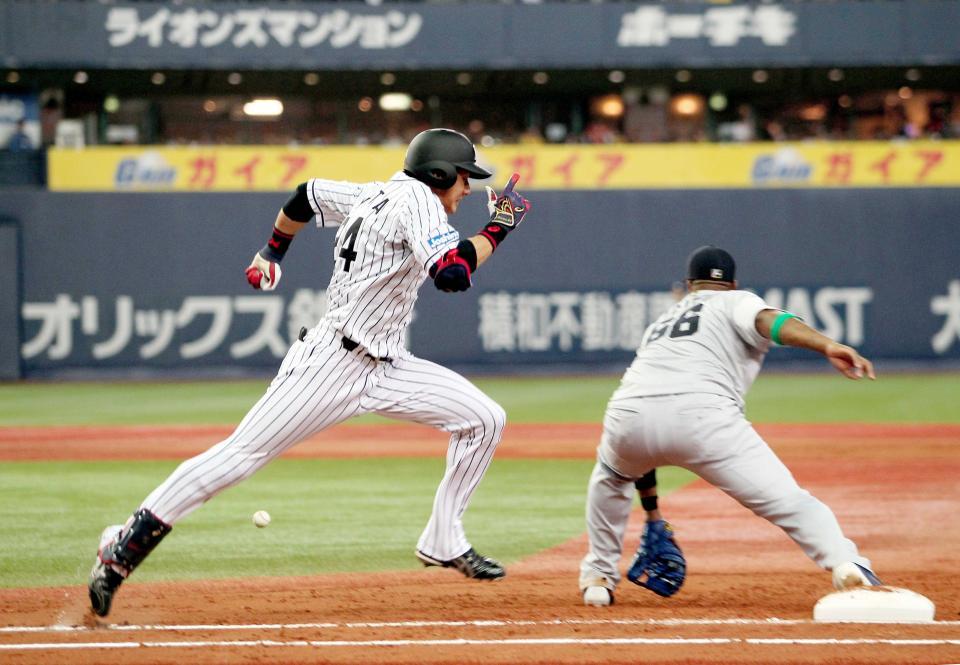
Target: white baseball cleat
109	535
597	596
850	575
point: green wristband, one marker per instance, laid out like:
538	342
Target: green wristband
778	324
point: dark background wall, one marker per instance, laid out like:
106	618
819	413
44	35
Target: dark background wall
9	298
130	282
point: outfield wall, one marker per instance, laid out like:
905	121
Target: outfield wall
149	282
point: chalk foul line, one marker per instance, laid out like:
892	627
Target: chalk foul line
531	641
477	623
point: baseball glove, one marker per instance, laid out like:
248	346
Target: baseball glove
659	564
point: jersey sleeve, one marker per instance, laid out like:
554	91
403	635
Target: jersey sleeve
428	232
744	308
332	200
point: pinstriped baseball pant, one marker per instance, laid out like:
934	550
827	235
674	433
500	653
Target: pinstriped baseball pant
320	384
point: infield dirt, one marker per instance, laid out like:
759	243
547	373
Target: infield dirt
894	489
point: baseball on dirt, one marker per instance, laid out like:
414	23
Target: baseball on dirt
261	518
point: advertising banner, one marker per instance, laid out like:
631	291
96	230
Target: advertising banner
336	35
149	282
547	167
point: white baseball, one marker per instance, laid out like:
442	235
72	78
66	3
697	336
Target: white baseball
261	518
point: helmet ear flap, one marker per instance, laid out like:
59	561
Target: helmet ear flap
439	174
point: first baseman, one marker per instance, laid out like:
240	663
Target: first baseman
681	403
392	237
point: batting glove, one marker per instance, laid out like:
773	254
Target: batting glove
659	564
263	274
509	207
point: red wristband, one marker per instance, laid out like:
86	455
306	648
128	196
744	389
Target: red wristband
495	233
277	246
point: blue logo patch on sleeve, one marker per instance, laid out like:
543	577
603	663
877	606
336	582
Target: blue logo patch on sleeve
442	238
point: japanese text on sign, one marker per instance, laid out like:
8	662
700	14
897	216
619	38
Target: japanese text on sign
722	26
192	28
592	167
152	332
603	321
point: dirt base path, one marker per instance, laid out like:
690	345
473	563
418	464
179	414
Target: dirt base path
748	597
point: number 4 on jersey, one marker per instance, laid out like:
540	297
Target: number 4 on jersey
349	239
347	253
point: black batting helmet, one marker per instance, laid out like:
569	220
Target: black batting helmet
434	156
711	263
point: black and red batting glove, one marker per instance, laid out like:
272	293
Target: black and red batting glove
507	210
264	271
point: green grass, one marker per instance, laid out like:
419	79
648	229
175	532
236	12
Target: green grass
830	398
820	397
351	515
328	516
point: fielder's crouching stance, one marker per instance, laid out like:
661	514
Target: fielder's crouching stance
393	235
681	403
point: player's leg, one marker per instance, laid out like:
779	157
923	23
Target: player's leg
733	457
420	391
633	444
305	398
318	385
609	502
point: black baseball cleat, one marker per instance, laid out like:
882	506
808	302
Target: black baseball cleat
122	549
104	581
470	563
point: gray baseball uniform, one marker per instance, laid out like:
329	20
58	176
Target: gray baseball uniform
681	403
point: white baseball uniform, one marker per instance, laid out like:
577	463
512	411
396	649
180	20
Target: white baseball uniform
354	362
681	403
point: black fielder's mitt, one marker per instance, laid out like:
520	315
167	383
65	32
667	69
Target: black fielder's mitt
659	564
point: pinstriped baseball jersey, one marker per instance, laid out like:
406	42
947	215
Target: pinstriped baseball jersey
390	234
352	362
706	343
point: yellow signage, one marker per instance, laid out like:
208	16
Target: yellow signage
592	167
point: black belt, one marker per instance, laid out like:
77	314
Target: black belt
350	345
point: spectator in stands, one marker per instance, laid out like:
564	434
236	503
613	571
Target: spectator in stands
775	131
938	126
742	129
19	140
599	132
531	135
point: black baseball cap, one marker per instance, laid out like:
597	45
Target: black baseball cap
711	263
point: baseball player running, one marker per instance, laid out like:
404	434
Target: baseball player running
681	403
392	236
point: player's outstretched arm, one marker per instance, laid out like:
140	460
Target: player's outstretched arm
264	271
452	272
786	329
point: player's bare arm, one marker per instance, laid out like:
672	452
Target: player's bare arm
454	269
787	330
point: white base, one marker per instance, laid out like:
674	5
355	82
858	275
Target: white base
874	604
